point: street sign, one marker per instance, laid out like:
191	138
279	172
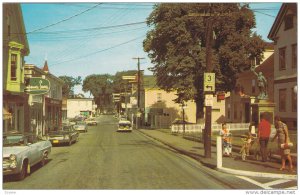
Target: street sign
209	100
209	82
128	77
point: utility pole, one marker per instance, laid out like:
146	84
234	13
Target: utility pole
139	81
209	69
138	92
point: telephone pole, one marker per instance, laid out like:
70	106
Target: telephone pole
209	69
139	81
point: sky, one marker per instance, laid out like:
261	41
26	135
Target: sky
80	39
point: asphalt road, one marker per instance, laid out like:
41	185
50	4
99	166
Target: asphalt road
106	159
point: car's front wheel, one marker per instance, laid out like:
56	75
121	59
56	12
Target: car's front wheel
23	172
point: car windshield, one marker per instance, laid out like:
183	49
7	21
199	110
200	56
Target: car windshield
13	140
124	124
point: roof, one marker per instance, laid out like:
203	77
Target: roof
46	68
279	18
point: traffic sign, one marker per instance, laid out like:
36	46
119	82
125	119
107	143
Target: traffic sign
209	100
209	82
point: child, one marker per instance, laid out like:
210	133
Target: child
226	140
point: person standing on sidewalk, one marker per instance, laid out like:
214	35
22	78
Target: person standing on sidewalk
283	140
226	141
264	130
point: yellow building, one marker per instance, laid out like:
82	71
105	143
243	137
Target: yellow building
284	35
161	110
15	47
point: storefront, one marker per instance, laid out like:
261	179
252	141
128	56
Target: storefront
15	112
53	114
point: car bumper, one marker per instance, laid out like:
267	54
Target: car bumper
124	130
80	130
10	171
55	141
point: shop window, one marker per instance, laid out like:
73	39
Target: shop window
13	67
282	59
282	100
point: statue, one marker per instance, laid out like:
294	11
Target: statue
261	83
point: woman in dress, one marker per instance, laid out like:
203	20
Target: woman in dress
283	140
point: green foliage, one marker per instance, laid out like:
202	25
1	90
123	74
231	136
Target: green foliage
100	86
176	46
70	83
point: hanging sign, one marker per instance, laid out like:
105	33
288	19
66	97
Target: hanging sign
37	86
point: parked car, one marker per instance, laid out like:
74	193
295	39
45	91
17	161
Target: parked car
66	135
91	121
124	126
80	126
21	151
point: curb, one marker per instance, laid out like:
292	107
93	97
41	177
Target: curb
223	169
256	174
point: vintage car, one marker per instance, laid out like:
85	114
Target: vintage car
124	126
80	126
21	151
66	135
91	121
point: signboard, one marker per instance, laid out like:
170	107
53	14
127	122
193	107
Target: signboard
209	82
37	86
209	100
128	77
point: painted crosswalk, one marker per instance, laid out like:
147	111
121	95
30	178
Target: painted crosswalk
288	184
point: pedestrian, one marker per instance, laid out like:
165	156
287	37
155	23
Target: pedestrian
264	130
283	143
226	140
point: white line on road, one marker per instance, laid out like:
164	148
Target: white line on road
276	182
255	182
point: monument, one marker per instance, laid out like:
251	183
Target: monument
261	103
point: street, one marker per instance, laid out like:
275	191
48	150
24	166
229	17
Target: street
106	159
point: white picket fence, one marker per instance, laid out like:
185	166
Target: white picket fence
192	128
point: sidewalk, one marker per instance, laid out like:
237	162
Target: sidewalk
233	165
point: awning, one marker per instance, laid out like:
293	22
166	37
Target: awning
6	115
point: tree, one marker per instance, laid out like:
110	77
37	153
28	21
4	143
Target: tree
100	86
70	83
176	46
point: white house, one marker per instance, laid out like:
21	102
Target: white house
80	106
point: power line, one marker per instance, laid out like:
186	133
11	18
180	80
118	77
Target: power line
91	29
99	51
65	19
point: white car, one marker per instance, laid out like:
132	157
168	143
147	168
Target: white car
124	126
20	152
80	126
91	121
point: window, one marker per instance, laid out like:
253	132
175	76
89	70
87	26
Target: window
294	101
159	97
294	56
288	22
235	112
253	86
13	67
282	100
282	58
